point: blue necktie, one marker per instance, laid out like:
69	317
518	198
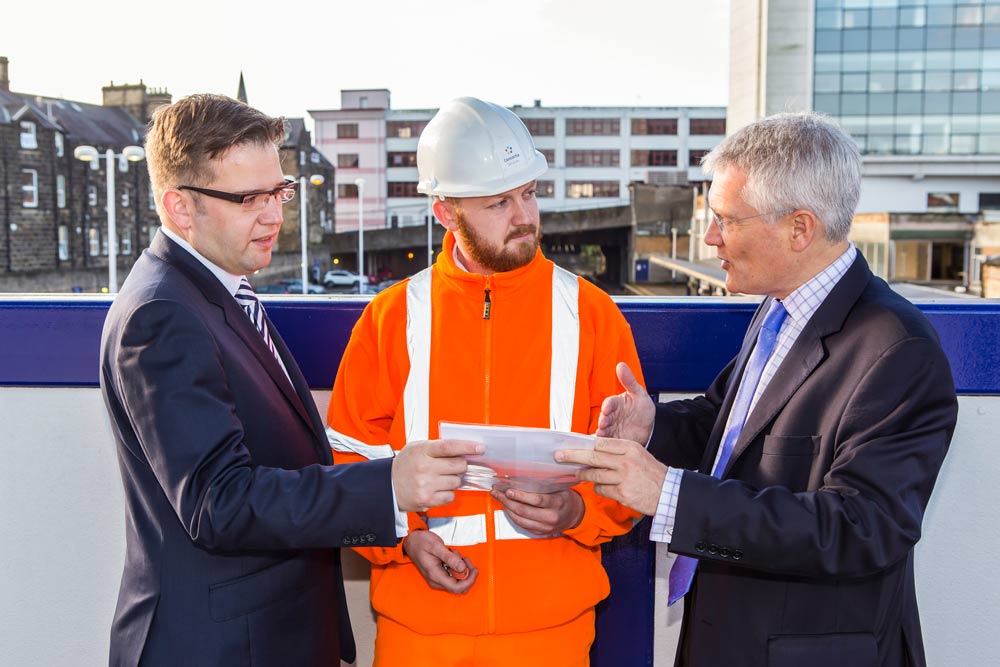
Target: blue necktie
247	298
682	572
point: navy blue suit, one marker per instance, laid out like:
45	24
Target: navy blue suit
806	543
234	510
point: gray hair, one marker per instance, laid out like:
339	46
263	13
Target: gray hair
796	160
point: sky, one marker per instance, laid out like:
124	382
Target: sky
296	57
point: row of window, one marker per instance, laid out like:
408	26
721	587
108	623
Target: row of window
574	158
30	192
545	127
916	17
891	39
97	241
889	104
881	82
29	138
574	189
908	61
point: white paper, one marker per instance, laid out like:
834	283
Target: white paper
520	457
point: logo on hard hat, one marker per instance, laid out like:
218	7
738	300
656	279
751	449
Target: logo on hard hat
511	155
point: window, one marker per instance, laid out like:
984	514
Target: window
29	188
29	135
540	127
545	189
60	191
695	157
314	157
346	190
93	242
92	195
404	159
329	196
125	244
348	160
302	158
405	129
708	126
659	158
578	189
654	126
152	200
126	197
403	189
550	155
63	243
347	130
60	144
605	127
942	202
593	158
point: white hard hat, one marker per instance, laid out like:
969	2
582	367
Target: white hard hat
473	148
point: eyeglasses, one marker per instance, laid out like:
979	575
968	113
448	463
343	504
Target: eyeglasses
251	201
724	224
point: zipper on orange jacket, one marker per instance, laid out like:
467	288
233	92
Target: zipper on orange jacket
491	620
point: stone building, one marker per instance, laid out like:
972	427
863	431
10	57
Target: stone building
53	207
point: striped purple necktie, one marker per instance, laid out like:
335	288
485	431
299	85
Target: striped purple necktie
247	298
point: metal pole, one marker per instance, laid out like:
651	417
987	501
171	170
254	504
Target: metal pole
109	156
361	230
430	231
303	204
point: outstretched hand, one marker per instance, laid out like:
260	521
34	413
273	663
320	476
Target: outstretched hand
621	470
628	415
425	474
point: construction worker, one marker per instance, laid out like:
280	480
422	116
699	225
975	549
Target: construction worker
493	333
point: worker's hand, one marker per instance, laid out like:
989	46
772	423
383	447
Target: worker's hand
627	415
542	513
426	473
436	562
621	470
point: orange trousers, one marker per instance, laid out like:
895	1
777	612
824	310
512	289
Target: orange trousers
566	645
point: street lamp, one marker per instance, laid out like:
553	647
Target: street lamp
90	154
317	180
360	182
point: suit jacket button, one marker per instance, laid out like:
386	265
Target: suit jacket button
713	549
700	547
737	554
724	552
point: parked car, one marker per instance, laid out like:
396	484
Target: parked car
294	286
341	278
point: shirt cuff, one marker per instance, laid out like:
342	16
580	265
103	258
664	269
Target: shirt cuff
402	523
662	529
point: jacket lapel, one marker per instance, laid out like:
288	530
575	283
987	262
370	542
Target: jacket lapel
806	354
237	320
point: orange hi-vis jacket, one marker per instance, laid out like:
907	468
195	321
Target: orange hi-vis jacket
537	347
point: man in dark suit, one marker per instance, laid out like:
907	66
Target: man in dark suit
794	489
234	511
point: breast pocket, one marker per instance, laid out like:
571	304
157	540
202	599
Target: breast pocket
787	460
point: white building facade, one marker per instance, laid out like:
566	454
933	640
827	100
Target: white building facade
593	153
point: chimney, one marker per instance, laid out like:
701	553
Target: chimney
4	77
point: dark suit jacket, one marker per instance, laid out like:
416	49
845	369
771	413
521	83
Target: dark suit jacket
233	507
806	543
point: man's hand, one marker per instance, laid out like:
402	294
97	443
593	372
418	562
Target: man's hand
434	560
621	470
426	473
542	513
627	415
